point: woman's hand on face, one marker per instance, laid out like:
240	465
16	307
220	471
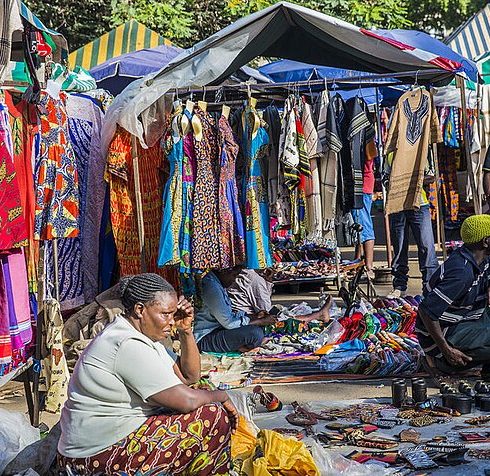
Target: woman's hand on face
232	414
184	317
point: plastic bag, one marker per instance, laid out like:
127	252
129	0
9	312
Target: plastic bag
330	463
330	335
15	434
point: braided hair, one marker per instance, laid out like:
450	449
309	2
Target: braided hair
142	288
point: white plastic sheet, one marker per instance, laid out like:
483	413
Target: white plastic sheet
15	434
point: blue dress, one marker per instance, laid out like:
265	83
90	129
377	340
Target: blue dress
256	207
169	250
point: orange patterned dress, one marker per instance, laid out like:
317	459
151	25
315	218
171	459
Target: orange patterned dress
120	177
57	194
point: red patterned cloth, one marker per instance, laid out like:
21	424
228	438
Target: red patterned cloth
13	230
197	443
24	125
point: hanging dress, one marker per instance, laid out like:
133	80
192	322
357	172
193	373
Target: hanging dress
188	180
23	122
206	232
231	222
172	143
120	177
255	194
57	193
13	229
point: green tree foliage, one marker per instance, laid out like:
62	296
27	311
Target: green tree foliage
441	16
169	18
186	22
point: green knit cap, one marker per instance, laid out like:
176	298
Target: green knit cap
475	228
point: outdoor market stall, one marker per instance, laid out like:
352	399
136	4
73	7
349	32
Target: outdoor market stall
210	206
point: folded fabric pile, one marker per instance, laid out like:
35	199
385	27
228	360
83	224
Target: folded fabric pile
226	371
378	339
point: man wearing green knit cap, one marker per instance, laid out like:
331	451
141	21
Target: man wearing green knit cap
453	325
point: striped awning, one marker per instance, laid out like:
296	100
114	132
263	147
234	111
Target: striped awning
131	36
472	38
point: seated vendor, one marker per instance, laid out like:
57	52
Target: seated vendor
251	293
453	325
220	329
130	409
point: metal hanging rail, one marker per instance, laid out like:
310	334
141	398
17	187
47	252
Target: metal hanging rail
373	80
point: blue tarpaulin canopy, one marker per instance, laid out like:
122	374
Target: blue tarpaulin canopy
285	71
116	73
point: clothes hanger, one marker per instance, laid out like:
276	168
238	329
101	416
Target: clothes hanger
220	96
203	105
359	88
415	87
189	105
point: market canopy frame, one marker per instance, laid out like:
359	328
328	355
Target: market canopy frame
283	30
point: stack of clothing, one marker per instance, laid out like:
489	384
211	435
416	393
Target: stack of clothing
374	339
378	340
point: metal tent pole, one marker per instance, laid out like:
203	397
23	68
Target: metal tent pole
460	82
379	146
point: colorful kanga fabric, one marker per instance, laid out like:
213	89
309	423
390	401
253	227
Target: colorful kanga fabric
14	311
194	444
206	230
120	177
231	221
13	230
24	125
57	193
81	118
173	146
257	239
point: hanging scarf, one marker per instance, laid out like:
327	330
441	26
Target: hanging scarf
313	198
356	134
331	145
289	153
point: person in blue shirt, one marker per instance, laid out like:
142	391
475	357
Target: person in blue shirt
217	327
453	324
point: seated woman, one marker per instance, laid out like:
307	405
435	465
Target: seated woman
220	329
453	324
130	409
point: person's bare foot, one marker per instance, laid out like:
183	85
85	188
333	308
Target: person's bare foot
323	314
325	310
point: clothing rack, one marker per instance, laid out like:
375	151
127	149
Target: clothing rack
372	80
277	90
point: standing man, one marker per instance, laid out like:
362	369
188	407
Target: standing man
419	221
362	216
